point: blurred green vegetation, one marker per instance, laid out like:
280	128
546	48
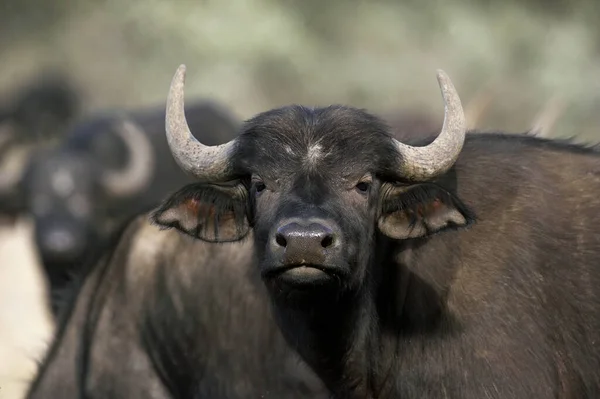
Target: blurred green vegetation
256	54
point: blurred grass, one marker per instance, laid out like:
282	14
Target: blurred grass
253	55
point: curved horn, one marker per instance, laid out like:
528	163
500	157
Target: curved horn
424	163
13	167
206	163
136	175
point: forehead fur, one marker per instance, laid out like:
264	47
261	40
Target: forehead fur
298	138
58	168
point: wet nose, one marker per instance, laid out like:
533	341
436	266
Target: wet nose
293	235
304	243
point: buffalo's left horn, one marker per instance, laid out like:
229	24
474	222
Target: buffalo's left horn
206	163
424	163
138	171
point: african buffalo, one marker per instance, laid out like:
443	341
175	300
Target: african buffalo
145	324
465	268
229	326
34	116
109	168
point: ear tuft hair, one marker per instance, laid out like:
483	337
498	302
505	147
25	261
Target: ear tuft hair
209	212
421	210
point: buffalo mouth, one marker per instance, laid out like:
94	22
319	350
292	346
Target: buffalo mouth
303	274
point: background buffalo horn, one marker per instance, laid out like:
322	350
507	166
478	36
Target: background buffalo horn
206	163
140	166
424	163
546	119
478	106
13	166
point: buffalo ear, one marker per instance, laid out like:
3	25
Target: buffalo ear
420	210
209	212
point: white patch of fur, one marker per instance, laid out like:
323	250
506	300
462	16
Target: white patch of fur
313	155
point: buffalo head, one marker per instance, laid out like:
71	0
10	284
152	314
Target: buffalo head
36	116
67	188
320	188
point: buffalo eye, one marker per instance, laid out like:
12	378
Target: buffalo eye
258	183
259	186
363	187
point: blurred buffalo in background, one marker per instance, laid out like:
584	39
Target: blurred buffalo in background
109	167
34	115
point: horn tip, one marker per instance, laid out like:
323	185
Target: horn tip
180	73
127	124
442	77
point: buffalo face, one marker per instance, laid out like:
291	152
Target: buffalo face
320	188
60	190
70	189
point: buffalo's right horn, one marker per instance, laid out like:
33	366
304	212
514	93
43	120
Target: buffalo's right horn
206	163
427	162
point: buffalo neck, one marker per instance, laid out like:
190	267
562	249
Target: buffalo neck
353	341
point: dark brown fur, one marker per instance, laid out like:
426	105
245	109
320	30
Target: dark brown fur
166	317
503	305
90	148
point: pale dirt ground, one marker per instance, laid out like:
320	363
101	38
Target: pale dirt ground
25	321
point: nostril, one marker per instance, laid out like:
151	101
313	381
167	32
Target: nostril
327	241
280	240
